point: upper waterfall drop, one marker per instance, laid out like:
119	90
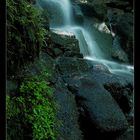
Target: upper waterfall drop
93	45
59	12
66	6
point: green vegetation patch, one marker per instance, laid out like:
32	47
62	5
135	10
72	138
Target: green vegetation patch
26	34
36	111
31	111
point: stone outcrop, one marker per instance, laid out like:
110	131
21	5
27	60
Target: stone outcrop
118	16
67	113
117	52
63	43
90	85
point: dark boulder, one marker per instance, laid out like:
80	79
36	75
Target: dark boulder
67	114
99	112
66	40
125	5
57	51
125	25
101	109
122	25
69	67
117	52
72	54
128	135
93	10
122	94
63	44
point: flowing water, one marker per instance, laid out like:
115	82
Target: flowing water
88	42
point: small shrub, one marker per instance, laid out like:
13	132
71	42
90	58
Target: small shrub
36	106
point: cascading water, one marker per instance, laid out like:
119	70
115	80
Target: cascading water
59	11
88	45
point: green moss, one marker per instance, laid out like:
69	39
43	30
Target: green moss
26	34
31	113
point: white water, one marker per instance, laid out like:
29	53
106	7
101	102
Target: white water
88	45
66	8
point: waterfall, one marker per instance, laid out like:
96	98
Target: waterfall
89	46
59	11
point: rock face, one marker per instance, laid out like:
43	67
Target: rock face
118	16
67	113
122	26
101	109
90	97
64	43
93	102
128	135
122	94
97	107
69	67
117	52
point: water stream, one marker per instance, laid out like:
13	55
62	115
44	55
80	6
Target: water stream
89	46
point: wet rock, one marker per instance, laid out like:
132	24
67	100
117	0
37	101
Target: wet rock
122	94
125	5
98	67
66	41
68	67
57	52
118	16
100	10
99	112
63	44
128	135
102	27
130	115
39	66
67	113
72	54
101	109
109	78
122	25
93	10
117	52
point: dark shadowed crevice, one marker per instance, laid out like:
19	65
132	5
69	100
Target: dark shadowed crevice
121	95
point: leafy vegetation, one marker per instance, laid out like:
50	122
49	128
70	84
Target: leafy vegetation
31	112
26	33
35	108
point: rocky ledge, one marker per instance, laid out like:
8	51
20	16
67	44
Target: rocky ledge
117	16
94	103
